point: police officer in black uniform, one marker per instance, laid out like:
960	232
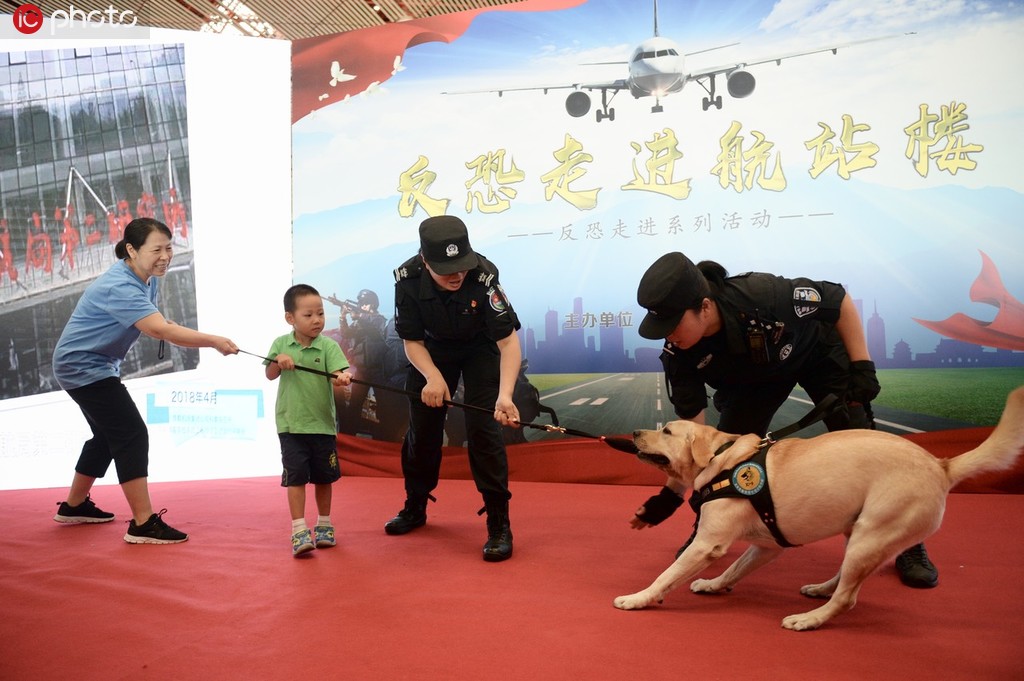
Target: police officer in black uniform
753	338
454	319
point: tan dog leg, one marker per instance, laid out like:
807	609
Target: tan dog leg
753	558
844	598
698	556
864	554
823	590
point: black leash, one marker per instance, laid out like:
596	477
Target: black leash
622	444
829	404
821	410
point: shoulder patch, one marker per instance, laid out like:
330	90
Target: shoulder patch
806	300
496	297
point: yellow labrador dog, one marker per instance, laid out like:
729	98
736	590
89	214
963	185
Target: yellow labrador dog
883	492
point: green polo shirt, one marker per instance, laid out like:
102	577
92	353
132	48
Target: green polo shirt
305	401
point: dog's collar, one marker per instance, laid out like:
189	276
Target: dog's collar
724	447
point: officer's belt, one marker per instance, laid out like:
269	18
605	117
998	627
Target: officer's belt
749	478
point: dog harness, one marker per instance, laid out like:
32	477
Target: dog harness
748	480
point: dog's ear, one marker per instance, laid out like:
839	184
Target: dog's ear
705	441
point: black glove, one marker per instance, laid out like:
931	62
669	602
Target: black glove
660	506
863	382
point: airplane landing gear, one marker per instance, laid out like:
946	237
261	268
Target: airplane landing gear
716	102
711	99
606	111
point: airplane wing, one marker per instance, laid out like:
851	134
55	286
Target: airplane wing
658	82
607	85
614	85
726	68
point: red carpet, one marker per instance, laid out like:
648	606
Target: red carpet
79	603
591	461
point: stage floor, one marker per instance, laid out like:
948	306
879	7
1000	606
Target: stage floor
232	603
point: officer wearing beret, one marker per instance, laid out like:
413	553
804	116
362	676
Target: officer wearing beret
753	338
454	320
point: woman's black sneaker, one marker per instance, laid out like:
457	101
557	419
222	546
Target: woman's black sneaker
153	531
85	512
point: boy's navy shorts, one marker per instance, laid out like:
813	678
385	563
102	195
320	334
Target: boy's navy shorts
308	458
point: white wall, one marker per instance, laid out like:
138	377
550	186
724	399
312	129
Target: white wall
239	101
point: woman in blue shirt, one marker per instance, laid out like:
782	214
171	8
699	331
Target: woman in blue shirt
107	321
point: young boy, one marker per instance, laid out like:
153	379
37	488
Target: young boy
305	413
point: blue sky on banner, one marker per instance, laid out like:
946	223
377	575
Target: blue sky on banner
899	238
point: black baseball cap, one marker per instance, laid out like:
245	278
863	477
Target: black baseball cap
444	244
669	287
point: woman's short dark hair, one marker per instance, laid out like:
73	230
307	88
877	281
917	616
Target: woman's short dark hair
137	232
714	273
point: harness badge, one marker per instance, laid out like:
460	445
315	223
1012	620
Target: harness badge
749	478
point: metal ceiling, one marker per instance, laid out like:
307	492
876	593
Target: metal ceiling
267	18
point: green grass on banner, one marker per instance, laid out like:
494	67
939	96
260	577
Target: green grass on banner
970	395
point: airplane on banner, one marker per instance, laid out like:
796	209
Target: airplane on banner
657	68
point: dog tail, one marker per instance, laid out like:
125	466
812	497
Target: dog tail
999	451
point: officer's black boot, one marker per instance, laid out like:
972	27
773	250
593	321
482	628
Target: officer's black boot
915	569
498	546
413	515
